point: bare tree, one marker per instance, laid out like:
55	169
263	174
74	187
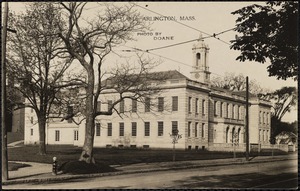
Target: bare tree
90	42
234	82
37	61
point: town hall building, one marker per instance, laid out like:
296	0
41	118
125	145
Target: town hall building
206	117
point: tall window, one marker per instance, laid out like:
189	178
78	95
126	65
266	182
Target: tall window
189	128
160	125
215	108
263	118
196	129
221	109
98	106
31	120
57	135
227	110
160	104
109	129
122	105
203	130
121	129
147	104
174	127
175	103
197	105
238	112
97	129
109	105
31	131
147	128
76	135
134	105
133	129
190	105
259	136
267	118
203	107
232	111
227	135
259	117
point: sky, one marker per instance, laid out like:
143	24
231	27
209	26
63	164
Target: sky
191	18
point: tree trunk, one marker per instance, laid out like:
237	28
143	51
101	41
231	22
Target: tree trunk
87	149
42	127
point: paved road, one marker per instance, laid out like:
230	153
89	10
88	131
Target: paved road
280	174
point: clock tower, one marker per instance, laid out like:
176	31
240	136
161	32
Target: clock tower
200	71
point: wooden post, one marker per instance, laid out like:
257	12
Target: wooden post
4	162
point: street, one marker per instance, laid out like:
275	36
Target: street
278	174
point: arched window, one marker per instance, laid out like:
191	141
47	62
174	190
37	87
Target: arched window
227	134
198	57
239	136
232	135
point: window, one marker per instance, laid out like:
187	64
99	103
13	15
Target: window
263	136
196	129
160	104
109	129
98	106
57	135
227	135
215	108
76	135
263	118
267	116
160	125
259	136
227	110
174	128
70	113
97	129
122	104
31	120
203	130
175	103
147	104
260	117
267	135
190	105
109	105
134	105
189	128
147	128
121	129
203	107
221	109
31	131
238	112
197	105
133	129
232	111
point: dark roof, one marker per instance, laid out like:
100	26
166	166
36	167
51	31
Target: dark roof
152	76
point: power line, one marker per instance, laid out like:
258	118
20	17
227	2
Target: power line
140	50
214	35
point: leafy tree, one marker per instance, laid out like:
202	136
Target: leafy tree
89	43
269	31
36	61
234	82
283	100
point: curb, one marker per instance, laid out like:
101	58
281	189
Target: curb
68	177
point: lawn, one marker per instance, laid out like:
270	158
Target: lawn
115	156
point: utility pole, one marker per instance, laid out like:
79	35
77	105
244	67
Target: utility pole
4	161
247	119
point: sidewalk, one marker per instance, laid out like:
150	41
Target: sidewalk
39	172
